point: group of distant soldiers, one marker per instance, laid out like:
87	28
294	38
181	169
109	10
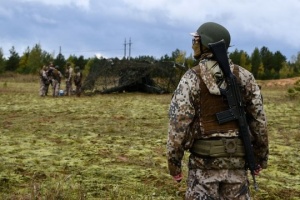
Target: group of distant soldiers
50	75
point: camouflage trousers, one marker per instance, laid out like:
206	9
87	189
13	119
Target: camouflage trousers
69	88
42	88
203	184
55	87
78	90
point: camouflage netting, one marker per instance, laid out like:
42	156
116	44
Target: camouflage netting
109	76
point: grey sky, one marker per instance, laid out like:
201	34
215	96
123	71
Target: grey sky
156	27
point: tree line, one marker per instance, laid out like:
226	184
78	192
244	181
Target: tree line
33	59
263	63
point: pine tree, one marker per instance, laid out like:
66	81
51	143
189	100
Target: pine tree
255	62
2	61
13	61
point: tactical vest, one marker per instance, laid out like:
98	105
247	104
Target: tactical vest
67	73
77	78
55	74
210	104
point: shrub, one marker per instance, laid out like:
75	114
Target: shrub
295	91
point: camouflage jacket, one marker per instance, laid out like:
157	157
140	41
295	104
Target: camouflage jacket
43	75
182	113
69	74
78	78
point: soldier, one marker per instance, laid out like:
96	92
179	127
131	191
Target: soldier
50	69
56	79
78	80
69	79
193	126
48	82
44	82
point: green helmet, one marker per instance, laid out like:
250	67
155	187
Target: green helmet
211	32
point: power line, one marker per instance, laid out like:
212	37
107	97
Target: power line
129	48
95	50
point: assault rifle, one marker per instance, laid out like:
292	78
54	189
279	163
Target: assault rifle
236	108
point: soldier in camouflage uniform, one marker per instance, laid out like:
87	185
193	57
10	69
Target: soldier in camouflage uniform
50	69
69	79
56	80
214	173
78	80
44	82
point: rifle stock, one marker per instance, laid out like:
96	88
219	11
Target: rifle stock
236	109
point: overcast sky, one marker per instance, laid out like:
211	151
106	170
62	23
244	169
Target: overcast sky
155	27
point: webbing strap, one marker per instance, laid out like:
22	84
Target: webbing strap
219	148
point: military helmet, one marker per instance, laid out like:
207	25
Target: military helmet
211	32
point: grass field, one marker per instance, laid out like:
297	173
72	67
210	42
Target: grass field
114	146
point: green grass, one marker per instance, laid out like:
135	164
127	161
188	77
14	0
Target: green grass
114	146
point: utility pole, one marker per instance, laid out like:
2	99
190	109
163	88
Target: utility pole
125	48
129	48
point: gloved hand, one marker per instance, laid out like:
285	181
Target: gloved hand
178	178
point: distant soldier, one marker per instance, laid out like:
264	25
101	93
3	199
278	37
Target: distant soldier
48	82
50	69
78	80
56	79
44	82
69	79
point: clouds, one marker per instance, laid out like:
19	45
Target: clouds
84	4
156	27
43	20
